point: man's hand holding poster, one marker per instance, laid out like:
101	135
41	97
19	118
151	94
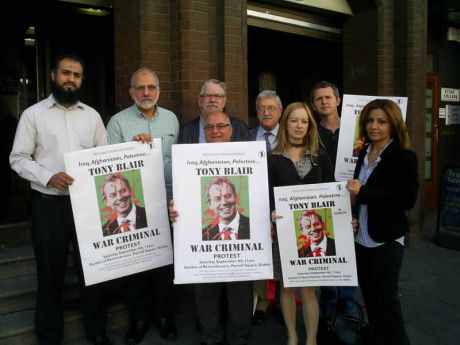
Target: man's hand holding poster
350	142
119	205
223	229
315	235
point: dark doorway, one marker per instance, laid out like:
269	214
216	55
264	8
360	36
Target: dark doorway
32	35
292	63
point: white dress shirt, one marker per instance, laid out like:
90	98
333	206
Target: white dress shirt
46	131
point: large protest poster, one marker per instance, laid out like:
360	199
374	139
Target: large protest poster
350	142
223	229
315	235
119	206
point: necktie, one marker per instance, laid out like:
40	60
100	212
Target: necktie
227	232
126	226
317	251
267	142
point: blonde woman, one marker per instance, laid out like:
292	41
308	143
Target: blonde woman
296	160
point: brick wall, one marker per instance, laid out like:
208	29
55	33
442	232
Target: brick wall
185	42
385	54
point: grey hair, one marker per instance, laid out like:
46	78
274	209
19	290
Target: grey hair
213	81
269	94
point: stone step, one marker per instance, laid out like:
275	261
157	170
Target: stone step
15	235
17	262
19	293
18	328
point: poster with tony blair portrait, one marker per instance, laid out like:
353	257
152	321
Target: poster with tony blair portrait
315	235
119	206
350	141
220	191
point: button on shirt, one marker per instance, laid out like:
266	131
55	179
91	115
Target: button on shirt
46	131
129	122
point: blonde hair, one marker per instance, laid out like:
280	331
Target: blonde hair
393	112
310	140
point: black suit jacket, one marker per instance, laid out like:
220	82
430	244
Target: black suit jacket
190	131
112	227
330	249
390	190
211	233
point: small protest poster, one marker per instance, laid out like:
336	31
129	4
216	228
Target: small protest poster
119	207
223	230
350	142
315	235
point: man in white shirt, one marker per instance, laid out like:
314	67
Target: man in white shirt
316	243
46	131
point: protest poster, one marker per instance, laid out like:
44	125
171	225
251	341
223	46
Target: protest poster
350	142
119	206
315	235
220	189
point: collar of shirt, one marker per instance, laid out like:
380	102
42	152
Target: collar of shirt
322	245
141	114
51	102
234	224
272	138
131	216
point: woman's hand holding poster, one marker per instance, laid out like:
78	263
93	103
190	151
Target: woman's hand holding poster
315	235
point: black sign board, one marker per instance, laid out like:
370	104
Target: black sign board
448	227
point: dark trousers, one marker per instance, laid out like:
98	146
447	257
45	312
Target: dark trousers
52	232
150	291
378	274
239	302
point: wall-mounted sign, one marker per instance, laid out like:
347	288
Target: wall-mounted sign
450	95
452	114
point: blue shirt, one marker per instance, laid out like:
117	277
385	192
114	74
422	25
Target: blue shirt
129	122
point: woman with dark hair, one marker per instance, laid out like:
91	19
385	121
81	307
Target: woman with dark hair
384	187
297	159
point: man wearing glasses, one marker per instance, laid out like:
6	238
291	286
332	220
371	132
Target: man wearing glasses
212	98
269	109
143	121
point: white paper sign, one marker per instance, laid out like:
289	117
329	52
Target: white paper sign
216	186
119	206
350	142
315	235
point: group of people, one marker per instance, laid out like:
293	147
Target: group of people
302	150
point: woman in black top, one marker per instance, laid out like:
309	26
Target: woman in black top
384	187
296	160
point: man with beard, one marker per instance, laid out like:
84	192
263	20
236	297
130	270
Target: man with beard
125	216
143	121
46	131
212	98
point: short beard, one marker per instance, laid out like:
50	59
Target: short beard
63	96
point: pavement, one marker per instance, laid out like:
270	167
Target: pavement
429	294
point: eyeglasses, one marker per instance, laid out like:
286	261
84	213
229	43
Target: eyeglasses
270	108
141	88
208	95
219	126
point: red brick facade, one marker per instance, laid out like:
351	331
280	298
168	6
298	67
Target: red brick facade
185	42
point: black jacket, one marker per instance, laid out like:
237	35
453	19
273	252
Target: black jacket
390	190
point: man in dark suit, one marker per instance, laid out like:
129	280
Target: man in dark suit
269	110
227	223
316	242
116	193
212	97
224	309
